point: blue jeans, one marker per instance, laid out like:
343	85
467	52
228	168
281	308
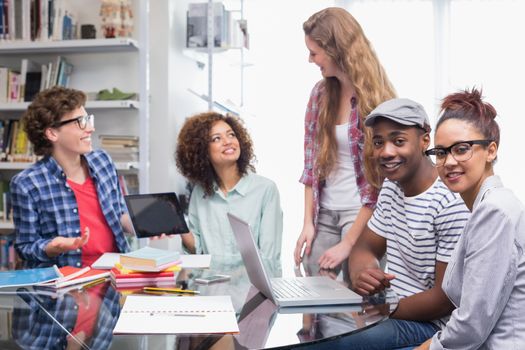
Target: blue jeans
389	334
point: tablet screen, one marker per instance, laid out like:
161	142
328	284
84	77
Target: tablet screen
156	213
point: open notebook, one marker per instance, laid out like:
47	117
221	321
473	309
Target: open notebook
177	315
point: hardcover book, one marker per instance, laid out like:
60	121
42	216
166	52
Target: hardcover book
149	257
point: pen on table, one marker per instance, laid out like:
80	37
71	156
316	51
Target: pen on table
183	315
170	290
93	283
162	293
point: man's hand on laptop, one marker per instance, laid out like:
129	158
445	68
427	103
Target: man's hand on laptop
371	281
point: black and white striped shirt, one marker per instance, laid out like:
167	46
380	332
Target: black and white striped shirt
419	231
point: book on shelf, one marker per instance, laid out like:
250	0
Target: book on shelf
14	143
149	257
22	83
119	140
229	31
197	25
27	66
4	76
13	86
4	190
37	20
7	252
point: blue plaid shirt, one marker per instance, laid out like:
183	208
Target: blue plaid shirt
44	207
34	329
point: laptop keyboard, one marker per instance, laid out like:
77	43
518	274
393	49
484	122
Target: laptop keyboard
291	288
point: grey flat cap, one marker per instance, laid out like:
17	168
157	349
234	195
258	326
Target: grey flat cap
400	110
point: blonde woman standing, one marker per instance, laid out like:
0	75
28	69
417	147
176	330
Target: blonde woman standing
339	199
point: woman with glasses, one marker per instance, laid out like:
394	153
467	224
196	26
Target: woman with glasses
67	207
485	278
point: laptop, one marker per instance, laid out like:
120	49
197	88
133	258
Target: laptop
156	213
287	292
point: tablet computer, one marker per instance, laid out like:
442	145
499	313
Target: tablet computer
156	213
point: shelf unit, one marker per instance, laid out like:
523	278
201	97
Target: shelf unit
101	64
204	56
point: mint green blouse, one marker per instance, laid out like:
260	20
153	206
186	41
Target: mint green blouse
255	199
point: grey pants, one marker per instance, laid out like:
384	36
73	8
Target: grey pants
331	226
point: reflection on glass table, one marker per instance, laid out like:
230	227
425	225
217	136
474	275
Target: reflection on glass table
85	319
79	319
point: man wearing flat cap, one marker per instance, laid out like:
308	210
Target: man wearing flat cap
416	223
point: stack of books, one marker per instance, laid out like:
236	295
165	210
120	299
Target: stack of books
121	148
145	267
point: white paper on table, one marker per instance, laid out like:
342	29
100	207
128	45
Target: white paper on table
177	315
195	261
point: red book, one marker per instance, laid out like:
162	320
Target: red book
123	274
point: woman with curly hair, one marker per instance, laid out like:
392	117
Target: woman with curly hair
215	153
339	200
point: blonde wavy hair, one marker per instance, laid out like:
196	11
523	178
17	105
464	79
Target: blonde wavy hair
338	33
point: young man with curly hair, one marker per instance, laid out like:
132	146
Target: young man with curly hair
68	208
215	153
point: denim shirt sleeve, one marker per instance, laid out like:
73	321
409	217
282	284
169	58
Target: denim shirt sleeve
29	242
488	257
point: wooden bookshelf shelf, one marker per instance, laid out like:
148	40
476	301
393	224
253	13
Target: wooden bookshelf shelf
69	46
5	226
14	165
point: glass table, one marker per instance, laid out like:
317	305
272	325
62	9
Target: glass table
84	319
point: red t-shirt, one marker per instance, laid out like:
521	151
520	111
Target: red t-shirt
88	309
101	238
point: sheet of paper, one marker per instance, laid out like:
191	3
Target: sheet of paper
195	261
177	315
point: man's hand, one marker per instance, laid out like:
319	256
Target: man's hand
335	255
305	238
371	281
59	245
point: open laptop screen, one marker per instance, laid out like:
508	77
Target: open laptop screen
156	213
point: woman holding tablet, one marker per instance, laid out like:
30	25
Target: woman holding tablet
215	153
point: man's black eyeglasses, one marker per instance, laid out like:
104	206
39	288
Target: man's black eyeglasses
461	151
82	121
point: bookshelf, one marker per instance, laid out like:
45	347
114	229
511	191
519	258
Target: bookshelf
206	57
99	64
